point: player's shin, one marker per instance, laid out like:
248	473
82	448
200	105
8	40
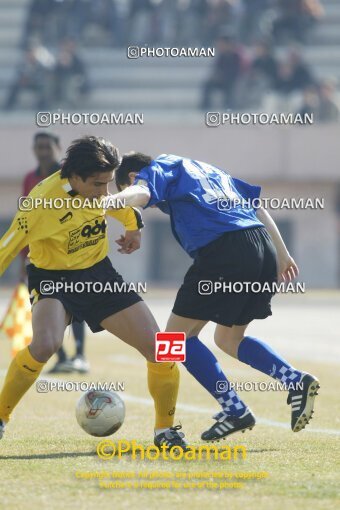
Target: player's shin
203	365
262	357
22	373
163	384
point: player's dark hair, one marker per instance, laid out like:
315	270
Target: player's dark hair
131	162
89	155
46	134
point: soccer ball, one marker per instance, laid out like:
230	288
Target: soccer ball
100	413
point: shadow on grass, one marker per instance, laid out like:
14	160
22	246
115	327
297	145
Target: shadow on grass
219	450
66	455
48	456
263	450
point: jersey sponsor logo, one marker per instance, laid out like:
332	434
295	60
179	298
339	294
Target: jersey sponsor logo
88	234
66	218
28	368
170	346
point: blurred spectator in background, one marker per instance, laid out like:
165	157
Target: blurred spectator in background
253	11
191	18
168	22
295	19
227	70
264	64
293	74
310	102
219	18
119	22
70	77
261	77
48	21
39	12
328	109
142	22
46	148
321	102
100	24
60	80
34	74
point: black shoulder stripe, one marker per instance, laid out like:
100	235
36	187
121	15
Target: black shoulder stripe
139	219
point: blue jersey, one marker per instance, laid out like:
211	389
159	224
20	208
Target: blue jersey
203	201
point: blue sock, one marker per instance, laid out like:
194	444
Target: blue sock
202	364
261	356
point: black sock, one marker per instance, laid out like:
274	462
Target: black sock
61	355
79	336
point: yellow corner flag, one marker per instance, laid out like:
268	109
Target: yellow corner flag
17	323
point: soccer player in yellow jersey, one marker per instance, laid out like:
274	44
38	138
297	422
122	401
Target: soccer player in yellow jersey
68	246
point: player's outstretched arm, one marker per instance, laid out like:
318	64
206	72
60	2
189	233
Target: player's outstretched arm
134	196
19	234
287	267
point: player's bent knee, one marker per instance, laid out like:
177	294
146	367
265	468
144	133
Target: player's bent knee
220	342
43	346
149	353
224	343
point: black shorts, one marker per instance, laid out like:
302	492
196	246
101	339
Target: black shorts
89	306
239	256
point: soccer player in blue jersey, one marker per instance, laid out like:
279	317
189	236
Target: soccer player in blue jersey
213	219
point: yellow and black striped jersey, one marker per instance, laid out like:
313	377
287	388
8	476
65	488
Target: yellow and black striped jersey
61	233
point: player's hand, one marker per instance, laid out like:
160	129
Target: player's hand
287	268
129	242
